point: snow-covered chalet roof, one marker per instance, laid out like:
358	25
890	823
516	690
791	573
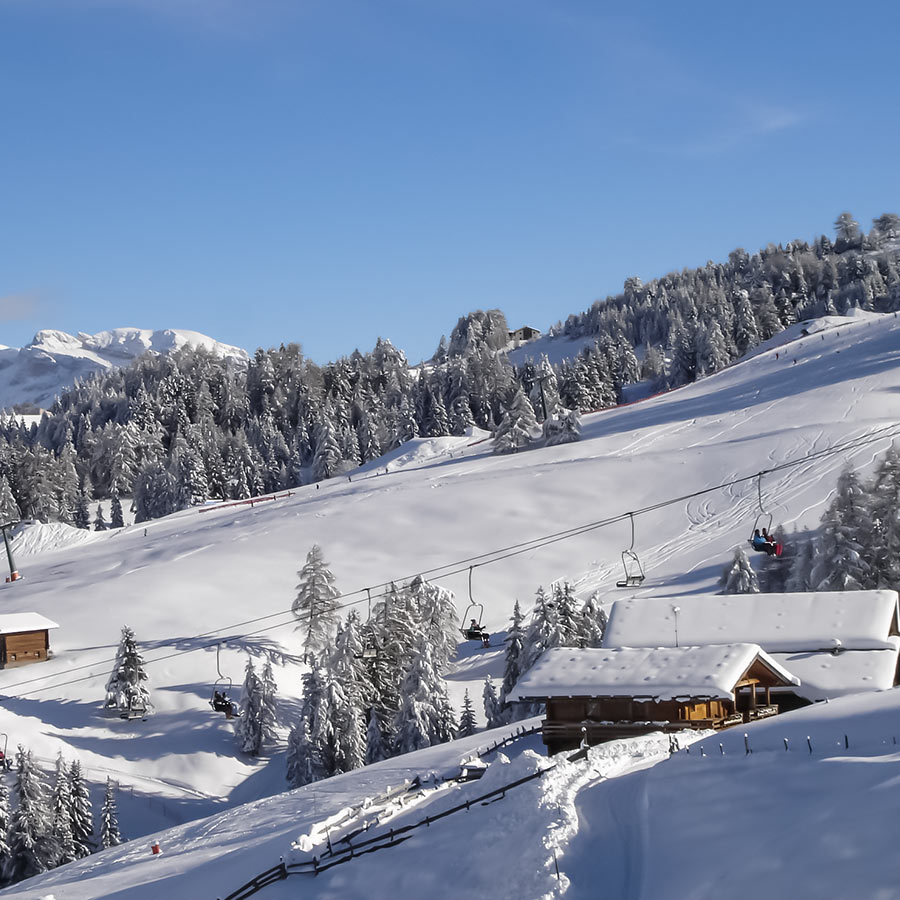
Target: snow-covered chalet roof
826	675
658	673
779	623
15	623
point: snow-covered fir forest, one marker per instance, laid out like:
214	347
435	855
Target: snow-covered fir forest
173	431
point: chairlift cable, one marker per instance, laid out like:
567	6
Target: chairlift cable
482	559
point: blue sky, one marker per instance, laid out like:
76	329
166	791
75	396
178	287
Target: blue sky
328	171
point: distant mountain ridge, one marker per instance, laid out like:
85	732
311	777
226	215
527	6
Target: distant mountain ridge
34	375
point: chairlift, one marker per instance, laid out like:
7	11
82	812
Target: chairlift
136	709
634	571
474	631
370	649
5	761
220	700
762	525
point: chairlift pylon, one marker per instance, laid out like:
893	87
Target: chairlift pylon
634	571
474	631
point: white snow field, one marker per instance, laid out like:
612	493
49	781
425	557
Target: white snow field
775	822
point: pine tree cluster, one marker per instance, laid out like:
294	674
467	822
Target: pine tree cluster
857	546
52	823
374	688
175	430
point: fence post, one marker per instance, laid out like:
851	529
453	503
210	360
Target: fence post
747	750
846	742
809	744
785	745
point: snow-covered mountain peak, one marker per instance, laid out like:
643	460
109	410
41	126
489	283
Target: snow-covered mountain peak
37	373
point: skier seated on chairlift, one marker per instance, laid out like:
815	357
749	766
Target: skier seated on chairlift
764	542
222	703
476	632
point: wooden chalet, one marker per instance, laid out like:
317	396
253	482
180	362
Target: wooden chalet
525	333
835	642
24	639
599	695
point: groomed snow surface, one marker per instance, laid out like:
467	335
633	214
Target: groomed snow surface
628	823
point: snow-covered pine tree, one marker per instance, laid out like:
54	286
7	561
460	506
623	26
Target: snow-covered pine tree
109	818
31	846
422	719
99	521
311	745
61	821
249	729
81	517
846	528
591	623
348	668
564	625
315	605
515	637
438	612
269	705
467	723
116	516
562	427
5	857
491	703
125	689
82	812
9	509
801	565
739	577
884	551
377	742
516	425
537	637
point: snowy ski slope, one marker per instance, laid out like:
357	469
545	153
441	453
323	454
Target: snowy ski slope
185	582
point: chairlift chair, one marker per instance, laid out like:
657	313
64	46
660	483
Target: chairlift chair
762	522
219	699
371	648
5	761
474	631
136	709
634	571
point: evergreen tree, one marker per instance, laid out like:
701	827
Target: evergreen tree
116	517
516	426
269	704
515	637
99	521
591	623
801	566
377	743
563	427
82	812
467	723
82	515
739	577
125	690
61	823
5	853
31	846
249	730
315	605
846	528
422	719
564	626
9	509
491	703
310	755
109	818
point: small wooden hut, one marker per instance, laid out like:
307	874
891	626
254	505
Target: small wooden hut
24	639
